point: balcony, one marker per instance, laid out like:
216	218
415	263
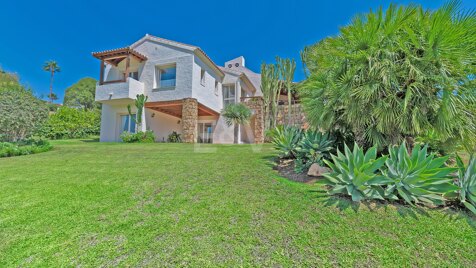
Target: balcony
119	90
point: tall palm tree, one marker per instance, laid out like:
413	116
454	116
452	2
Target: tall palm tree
52	67
236	114
287	67
394	75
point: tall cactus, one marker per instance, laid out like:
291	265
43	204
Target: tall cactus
286	70
139	103
270	88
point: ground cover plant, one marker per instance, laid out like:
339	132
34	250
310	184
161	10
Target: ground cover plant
165	204
25	147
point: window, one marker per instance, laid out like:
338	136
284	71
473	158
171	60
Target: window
216	88
134	75
205	133
228	94
127	124
165	76
202	77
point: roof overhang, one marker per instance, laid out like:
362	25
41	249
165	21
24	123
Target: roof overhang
115	56
174	108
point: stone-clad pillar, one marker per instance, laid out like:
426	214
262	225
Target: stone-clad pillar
257	105
189	120
259	121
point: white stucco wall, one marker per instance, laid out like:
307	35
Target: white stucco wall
116	91
111	121
205	93
160	55
162	124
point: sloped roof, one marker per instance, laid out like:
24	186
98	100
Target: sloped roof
197	50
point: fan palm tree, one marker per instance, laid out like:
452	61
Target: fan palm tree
52	67
393	75
236	114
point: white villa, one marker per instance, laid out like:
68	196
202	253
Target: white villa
186	92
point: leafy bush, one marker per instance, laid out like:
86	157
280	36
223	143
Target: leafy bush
313	147
285	140
81	95
139	137
355	174
467	183
30	146
22	113
419	177
70	123
174	137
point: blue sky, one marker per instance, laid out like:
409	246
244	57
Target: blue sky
68	31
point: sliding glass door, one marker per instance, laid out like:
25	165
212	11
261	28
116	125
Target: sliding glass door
205	133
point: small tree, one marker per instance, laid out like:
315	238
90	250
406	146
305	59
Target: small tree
139	103
236	114
81	95
52	67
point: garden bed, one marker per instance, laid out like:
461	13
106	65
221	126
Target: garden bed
285	167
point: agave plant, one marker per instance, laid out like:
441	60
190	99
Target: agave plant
354	173
418	177
315	145
467	183
285	140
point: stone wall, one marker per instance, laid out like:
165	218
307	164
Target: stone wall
189	120
256	104
297	118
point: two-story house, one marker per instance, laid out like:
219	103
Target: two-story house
186	92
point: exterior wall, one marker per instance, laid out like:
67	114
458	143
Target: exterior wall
298	118
222	133
158	55
116	91
206	93
110	121
162	124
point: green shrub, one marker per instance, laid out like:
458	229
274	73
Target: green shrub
139	137
174	137
313	147
30	146
355	174
285	140
418	177
71	123
21	113
467	183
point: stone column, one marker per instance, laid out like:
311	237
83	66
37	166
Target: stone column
189	120
257	105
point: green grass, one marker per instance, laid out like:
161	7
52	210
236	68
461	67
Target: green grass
92	204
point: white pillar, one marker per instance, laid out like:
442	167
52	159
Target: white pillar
143	126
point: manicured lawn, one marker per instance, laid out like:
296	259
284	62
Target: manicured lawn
91	204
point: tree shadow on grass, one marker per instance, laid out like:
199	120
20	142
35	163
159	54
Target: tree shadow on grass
341	203
344	202
456	213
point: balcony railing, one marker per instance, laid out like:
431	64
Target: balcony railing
119	90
